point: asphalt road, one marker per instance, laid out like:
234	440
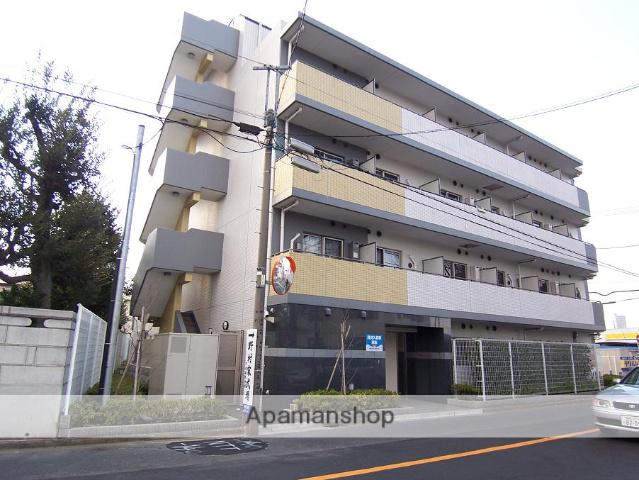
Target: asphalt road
583	456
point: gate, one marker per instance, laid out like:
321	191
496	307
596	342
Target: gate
229	362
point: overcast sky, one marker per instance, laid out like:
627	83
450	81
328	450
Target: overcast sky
510	57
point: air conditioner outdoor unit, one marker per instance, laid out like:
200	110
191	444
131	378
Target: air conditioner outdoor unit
476	273
300	146
355	251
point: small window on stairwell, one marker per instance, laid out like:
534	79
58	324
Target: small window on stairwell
333	247
455	270
544	286
387	175
501	278
450	195
331	157
388	257
312	243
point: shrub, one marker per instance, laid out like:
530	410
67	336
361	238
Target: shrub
126	411
465	389
609	379
363	399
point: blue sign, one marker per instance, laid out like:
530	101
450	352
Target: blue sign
374	342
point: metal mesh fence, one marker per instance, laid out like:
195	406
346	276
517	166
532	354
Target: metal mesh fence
85	356
498	368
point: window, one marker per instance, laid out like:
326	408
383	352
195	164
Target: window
495	209
331	157
450	195
389	258
312	243
501	278
387	175
333	247
455	270
543	286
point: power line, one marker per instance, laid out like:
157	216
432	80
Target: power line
566	252
458	127
620	246
288	72
155	117
613	292
620	301
158	118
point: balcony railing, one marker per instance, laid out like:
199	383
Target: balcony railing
362	189
365	283
167	254
179	175
319	87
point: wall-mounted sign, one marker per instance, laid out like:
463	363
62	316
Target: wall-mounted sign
248	379
374	342
282	274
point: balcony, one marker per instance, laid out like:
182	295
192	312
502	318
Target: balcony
187	103
360	198
167	254
350	284
179	175
332	105
202	46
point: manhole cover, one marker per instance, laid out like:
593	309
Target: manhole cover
220	446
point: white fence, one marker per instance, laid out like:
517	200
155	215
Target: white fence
85	357
498	368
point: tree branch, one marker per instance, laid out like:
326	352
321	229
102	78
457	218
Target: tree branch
13	280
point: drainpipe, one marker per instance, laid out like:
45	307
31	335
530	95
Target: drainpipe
298	235
286	138
283	219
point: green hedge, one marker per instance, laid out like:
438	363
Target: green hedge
126	411
609	379
363	399
465	389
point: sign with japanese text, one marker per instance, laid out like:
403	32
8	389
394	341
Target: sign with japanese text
248	377
374	342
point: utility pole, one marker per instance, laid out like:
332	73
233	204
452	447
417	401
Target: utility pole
106	372
266	218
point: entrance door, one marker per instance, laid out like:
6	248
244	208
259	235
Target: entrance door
402	364
229	364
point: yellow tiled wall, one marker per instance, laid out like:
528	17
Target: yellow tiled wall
324	88
331	277
346	184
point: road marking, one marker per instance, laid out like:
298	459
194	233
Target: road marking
450	456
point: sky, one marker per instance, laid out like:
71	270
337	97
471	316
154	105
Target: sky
510	57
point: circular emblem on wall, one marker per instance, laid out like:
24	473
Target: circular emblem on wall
283	274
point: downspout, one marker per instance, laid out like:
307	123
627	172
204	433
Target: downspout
282	221
286	138
298	235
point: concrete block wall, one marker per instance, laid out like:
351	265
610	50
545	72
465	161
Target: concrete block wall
34	348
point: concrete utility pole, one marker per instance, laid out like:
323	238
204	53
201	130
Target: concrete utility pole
106	372
266	219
